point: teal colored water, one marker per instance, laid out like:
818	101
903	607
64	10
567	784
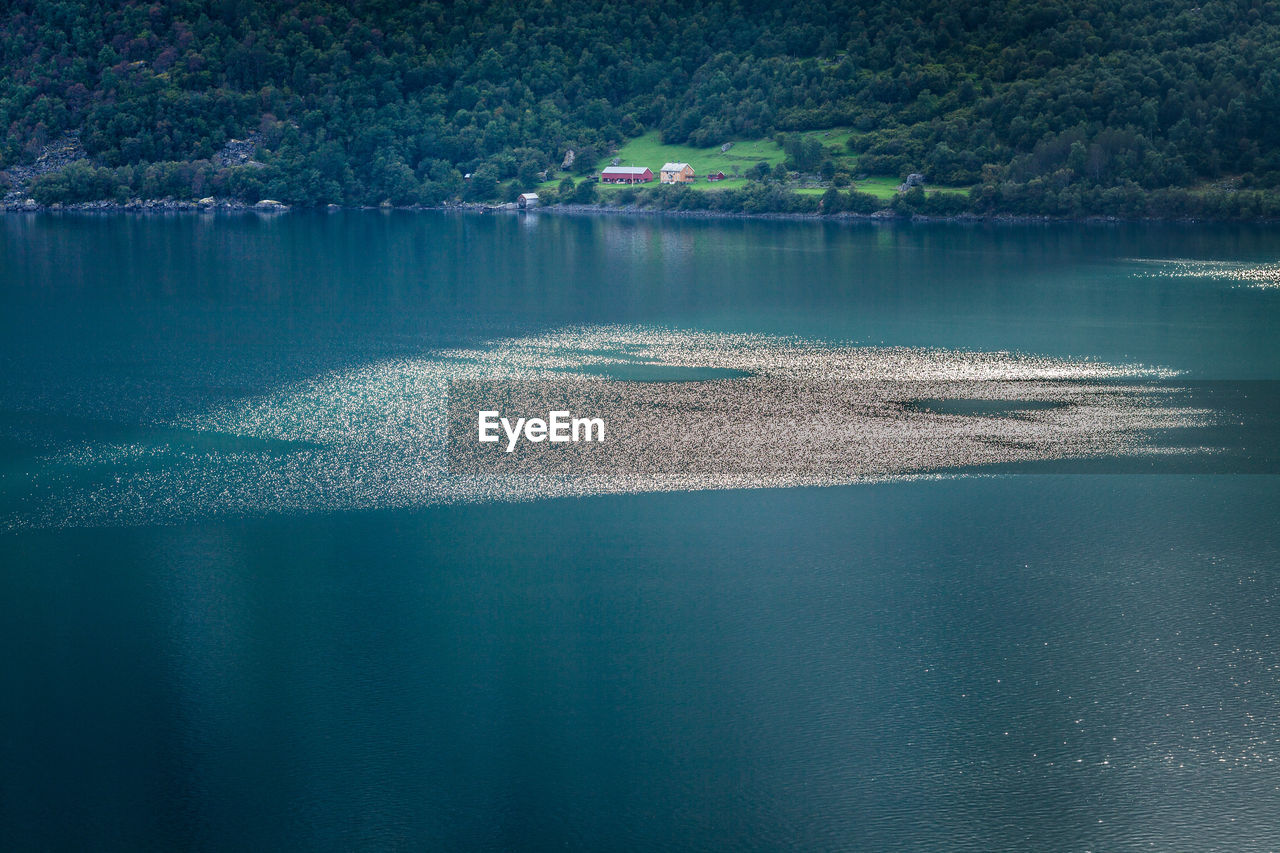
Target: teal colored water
227	626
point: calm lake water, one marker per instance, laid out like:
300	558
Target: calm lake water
244	605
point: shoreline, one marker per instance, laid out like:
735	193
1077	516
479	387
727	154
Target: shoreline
152	207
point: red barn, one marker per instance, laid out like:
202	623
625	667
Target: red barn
626	175
716	176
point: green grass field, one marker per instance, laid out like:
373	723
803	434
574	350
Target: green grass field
649	151
880	186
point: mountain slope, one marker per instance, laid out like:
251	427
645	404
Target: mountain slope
1053	106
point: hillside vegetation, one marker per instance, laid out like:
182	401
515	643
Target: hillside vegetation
1127	107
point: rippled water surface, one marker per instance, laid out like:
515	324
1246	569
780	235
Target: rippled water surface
926	537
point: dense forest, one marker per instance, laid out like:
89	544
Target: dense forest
1061	107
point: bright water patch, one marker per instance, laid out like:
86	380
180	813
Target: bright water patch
1239	273
687	411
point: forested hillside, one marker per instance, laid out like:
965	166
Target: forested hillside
1133	107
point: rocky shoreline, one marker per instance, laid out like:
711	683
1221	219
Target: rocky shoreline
143	205
269	206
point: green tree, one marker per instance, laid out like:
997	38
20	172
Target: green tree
482	186
585	192
833	201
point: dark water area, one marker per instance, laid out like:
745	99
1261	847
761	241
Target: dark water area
1069	654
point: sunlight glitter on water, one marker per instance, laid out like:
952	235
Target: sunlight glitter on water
1241	274
797	413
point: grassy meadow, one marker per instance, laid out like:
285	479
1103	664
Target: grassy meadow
648	150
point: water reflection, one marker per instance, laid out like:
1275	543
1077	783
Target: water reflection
1242	273
750	411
